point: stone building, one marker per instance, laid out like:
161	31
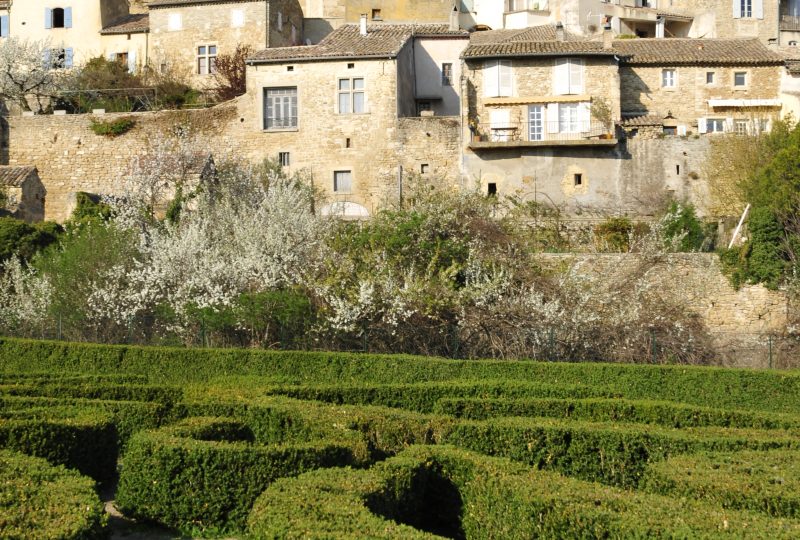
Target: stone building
187	35
353	109
24	191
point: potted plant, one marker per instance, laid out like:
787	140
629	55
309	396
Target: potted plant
601	111
474	128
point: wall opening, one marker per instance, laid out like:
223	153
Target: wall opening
58	18
423	169
577	179
492	189
678	170
348	143
284	159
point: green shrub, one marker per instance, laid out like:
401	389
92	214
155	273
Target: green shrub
614	234
94	390
113	128
24	239
177	478
767	482
683	221
662	413
39	500
81	439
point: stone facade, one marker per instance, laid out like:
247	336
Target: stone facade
177	32
714	19
642	91
25	193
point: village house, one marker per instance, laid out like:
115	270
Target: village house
24	191
366	106
187	35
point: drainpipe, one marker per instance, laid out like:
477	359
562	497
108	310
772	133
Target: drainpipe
267	10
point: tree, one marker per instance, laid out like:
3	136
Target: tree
230	74
26	78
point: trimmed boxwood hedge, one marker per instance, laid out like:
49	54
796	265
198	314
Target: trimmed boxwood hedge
774	391
467	495
42	501
662	413
82	439
94	390
767	482
205	473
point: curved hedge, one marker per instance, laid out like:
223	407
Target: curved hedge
205	473
467	495
663	413
42	501
767	482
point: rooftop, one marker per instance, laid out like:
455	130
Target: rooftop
135	23
167	3
534	41
346	42
686	51
14	176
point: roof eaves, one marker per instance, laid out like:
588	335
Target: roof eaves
300	59
488	56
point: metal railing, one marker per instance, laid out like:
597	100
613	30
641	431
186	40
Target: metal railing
540	131
790	22
526	5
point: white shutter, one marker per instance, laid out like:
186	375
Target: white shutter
584	116
499	119
552	118
506	78
575	76
729	124
702	125
737	9
491	78
769	125
682	131
758	9
561	77
132	61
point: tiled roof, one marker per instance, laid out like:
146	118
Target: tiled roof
136	23
166	3
533	41
5	5
381	41
14	176
685	51
642	121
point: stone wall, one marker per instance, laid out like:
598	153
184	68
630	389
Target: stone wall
714	19
740	322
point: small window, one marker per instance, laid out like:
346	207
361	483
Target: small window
740	78
351	66
577	179
740	127
710	77
745	8
348	143
668	78
491	189
342	181
678	170
289	68
376	15
58	18
423	169
206	59
283	159
175	22
715	125
447	74
352	96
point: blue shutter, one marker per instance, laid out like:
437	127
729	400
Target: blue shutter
68	55
46	59
68	17
48	18
4	30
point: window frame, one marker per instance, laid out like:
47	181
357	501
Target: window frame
573	123
713	76
569	65
294	121
744	6
494	68
746	82
447	74
351	92
210	59
336	188
673	79
716	122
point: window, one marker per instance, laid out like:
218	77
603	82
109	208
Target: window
58	58
351	96
497	78
491	189
58	18
121	58
175	22
577	179
447	74
568	76
376	15
283	159
568	118
206	59
740	79
715	125
535	122
740	127
749	8
668	78
423	168
342	181
351	66
280	108
348	143
745	8
237	18
710	77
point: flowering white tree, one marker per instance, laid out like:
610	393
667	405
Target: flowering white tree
26	77
24	296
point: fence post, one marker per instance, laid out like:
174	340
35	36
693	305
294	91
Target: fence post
653	345
770	351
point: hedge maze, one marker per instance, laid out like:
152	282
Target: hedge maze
323	445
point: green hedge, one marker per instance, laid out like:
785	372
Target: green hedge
727	388
79	438
462	494
614	410
63	378
423	397
766	482
615	454
42	501
188	476
94	390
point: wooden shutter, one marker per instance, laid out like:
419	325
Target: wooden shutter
702	125
68	57
737	9
68	17
46	59
4	29
552	118
561	77
132	61
758	9
575	76
506	78
48	18
491	78
584	116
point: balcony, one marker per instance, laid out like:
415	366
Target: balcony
790	23
536	134
539	6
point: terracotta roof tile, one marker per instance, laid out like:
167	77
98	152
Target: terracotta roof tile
685	51
645	120
14	176
136	23
381	41
533	41
167	3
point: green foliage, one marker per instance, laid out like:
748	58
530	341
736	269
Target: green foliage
763	258
682	221
88	208
25	240
614	234
113	128
39	500
767	482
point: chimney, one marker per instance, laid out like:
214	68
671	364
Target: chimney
608	37
454	25
363	24
559	31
